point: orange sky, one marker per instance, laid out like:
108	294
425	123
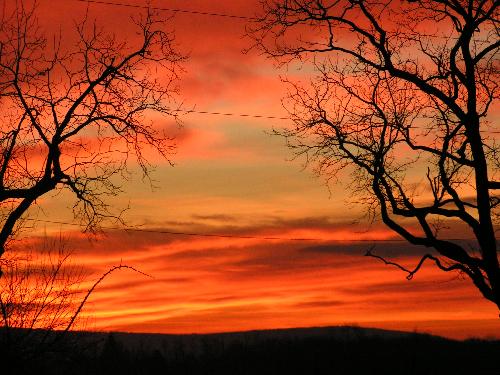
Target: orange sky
232	177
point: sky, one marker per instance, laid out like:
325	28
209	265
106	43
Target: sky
294	245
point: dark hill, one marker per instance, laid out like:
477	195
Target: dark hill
328	350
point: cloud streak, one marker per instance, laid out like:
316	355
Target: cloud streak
204	284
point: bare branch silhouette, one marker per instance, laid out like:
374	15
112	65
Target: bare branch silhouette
76	115
411	273
402	105
41	298
95	285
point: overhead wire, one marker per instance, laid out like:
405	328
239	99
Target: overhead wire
263	116
181	233
175	10
203	13
274	117
212	14
234	236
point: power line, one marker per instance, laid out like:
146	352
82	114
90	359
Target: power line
235	236
180	233
179	10
212	14
175	10
271	117
274	117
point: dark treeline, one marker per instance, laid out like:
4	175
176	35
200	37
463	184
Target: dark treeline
344	350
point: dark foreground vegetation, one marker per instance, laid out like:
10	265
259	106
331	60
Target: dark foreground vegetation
340	350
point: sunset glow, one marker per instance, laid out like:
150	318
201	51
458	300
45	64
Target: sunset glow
237	234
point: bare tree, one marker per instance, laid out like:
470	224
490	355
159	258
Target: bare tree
40	291
75	114
36	289
42	296
404	99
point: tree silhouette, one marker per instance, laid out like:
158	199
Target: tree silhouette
74	114
404	99
42	296
40	291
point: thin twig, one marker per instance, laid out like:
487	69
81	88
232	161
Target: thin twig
89	292
411	273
